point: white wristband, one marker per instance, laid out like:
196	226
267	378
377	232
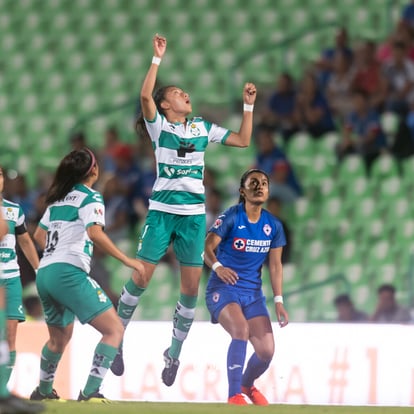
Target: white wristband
248	108
156	60
278	299
216	265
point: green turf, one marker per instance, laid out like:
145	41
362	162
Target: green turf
192	408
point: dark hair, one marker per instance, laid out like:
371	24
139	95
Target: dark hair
361	93
343	299
386	287
158	97
246	175
73	169
399	44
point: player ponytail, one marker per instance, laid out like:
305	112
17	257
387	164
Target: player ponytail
158	97
73	169
245	176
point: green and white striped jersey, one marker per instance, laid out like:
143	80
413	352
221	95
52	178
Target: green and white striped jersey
14	216
179	154
66	222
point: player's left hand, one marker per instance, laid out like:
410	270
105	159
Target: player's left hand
282	315
227	275
249	93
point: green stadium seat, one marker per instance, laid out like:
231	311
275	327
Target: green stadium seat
384	166
366	210
318	273
350	168
315	252
347	253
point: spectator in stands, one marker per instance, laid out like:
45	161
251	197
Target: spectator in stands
281	107
326	62
407	15
402	33
129	175
312	111
362	133
106	154
368	75
147	165
116	210
399	76
338	89
18	191
388	310
213	205
346	311
78	140
274	162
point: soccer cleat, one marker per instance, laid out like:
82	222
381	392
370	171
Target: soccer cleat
170	371
117	366
38	396
13	404
237	399
255	396
95	397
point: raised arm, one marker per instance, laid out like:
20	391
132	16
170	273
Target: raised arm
242	138
148	106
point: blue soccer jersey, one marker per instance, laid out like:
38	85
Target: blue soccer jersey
244	246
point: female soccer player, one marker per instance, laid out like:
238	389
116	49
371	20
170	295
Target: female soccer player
176	207
10	277
9	403
236	247
72	223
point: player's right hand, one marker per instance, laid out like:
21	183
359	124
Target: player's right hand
227	275
135	264
160	45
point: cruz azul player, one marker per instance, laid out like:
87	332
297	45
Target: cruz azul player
236	247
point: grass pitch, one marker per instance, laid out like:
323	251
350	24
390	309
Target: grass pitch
71	407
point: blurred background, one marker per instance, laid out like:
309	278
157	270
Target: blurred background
334	128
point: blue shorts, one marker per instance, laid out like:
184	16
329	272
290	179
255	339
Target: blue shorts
252	304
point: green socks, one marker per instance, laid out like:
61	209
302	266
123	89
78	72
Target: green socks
10	365
4	356
48	364
102	360
182	321
128	301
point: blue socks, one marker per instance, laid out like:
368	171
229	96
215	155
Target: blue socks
255	368
236	356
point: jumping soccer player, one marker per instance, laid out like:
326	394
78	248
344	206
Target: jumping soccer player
176	207
236	247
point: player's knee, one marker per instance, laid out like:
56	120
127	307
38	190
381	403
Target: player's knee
240	331
58	344
266	353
